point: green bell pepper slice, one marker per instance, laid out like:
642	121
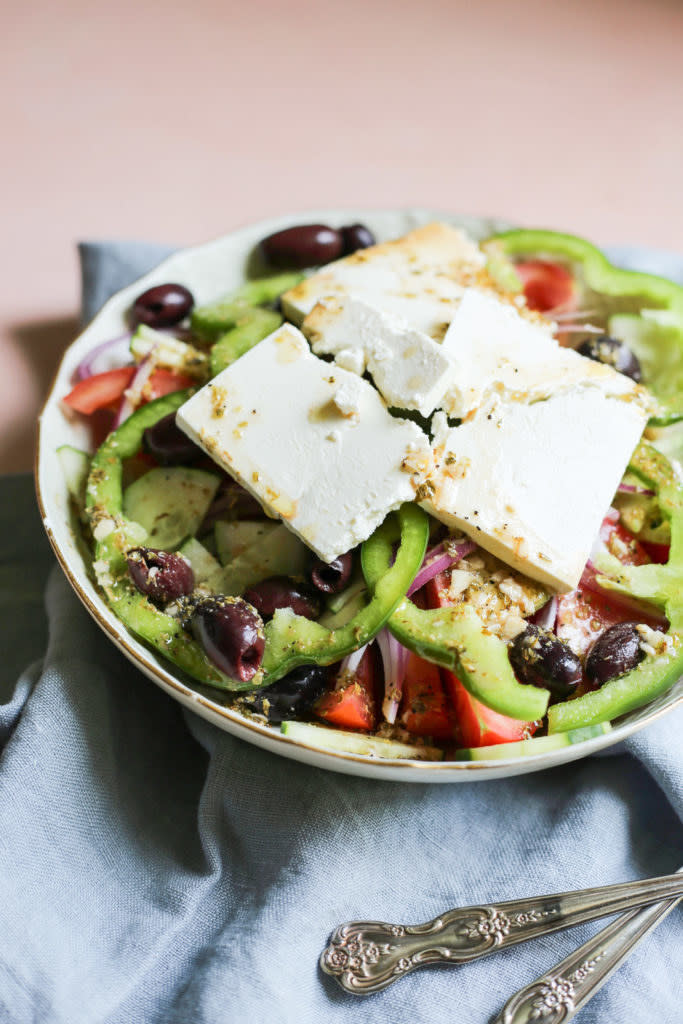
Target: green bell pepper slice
660	585
291	640
255	325
215	318
456	638
604	287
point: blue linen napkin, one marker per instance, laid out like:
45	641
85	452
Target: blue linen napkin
154	869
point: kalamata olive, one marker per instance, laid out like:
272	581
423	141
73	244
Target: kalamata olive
231	502
283	592
356	236
331	577
160	575
307	245
540	658
292	696
166	442
615	652
604	349
231	633
163	306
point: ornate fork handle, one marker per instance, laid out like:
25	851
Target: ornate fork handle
366	956
562	992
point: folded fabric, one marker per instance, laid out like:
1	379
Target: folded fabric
157	870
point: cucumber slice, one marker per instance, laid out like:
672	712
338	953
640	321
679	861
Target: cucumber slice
357	743
233	538
207	570
277	553
170	502
75	467
535	745
170	352
214	319
336	619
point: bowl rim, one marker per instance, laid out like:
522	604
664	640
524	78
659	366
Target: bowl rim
229	719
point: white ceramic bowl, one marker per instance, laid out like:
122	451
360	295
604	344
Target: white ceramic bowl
209	271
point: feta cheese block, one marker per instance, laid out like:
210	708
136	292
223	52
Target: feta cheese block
495	349
313	443
418	277
409	369
531	483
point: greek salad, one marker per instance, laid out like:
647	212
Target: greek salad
412	499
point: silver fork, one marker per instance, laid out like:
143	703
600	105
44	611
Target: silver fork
366	956
567	987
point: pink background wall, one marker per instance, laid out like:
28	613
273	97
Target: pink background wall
178	121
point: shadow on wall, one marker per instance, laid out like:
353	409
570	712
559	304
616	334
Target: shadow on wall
39	346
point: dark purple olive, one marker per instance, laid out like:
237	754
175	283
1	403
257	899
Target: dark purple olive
615	652
356	236
160	575
166	442
292	696
162	306
283	592
231	633
307	245
604	349
231	502
331	577
539	658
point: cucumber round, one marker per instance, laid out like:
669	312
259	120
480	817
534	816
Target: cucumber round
170	502
535	745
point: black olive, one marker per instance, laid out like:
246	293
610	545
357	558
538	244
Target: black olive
539	658
160	575
331	577
291	696
356	236
283	592
165	442
613	352
306	245
162	306
615	652
231	633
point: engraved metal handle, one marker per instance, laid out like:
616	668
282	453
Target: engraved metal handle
563	991
366	956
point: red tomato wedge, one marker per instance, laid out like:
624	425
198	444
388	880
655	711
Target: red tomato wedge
353	706
479	726
100	390
658	553
476	725
547	285
164	382
425	709
583	615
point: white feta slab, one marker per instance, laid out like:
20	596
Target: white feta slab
409	369
531	483
272	422
494	348
418	277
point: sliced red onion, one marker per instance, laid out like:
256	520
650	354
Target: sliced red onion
438	559
106	356
394	660
351	662
650	615
633	489
546	617
133	394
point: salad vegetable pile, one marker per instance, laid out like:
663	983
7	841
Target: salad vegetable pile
417	499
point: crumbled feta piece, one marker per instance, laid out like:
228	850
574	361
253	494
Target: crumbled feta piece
347	397
531	483
276	410
495	349
351	359
409	369
419	277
